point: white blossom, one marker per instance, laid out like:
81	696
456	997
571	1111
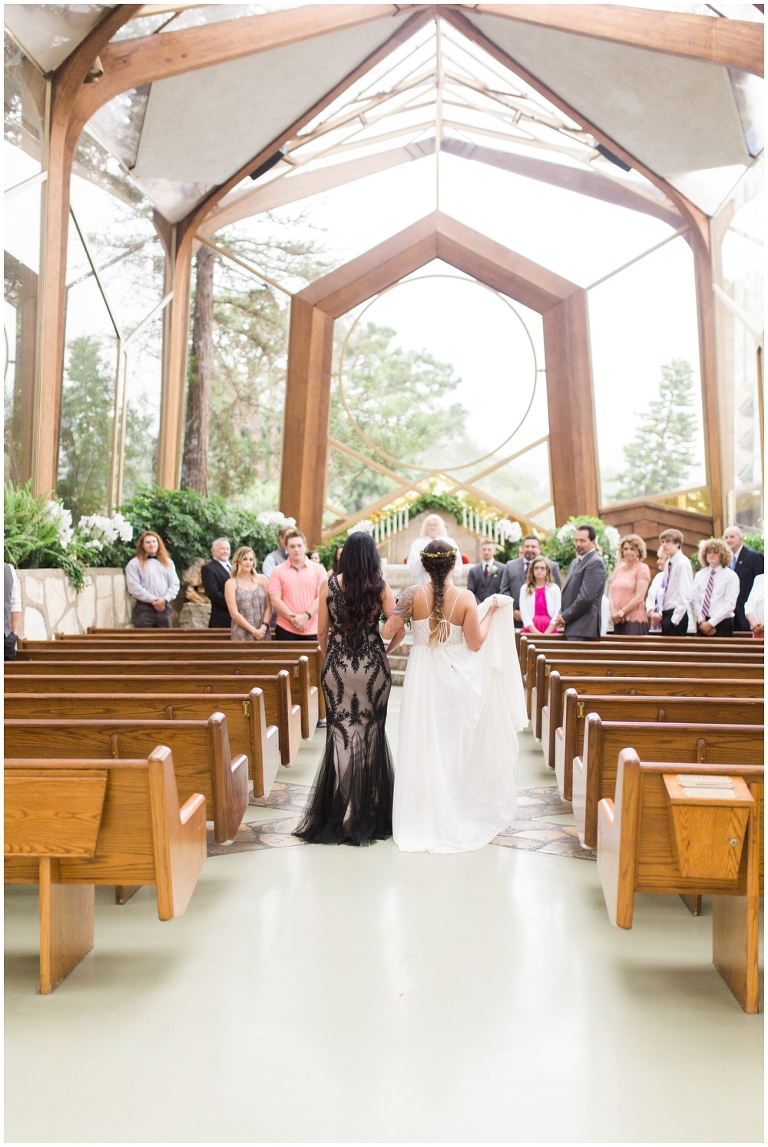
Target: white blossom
97	531
510	531
612	538
62	519
274	518
566	532
364	527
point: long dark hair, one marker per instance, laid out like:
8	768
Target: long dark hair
337	559
363	581
438	558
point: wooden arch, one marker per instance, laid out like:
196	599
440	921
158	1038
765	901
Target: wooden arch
562	304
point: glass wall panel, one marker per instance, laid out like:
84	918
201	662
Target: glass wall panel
738	256
645	362
24	109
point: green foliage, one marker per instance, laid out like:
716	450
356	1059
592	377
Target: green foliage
32	535
753	541
396	398
86	431
188	523
561	547
660	458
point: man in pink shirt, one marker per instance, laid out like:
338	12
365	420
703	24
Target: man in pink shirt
294	590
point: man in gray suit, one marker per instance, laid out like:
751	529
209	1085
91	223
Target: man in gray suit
513	578
484	579
584	587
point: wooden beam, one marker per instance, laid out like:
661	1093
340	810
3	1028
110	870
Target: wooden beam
572	433
145	59
581	180
295	187
63	133
732	43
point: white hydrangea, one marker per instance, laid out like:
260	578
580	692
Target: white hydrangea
364	527
275	518
612	537
566	532
62	518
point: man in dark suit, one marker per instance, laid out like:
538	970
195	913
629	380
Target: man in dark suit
747	564
513	578
215	575
484	579
583	594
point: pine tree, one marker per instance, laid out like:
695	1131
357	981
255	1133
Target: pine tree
660	458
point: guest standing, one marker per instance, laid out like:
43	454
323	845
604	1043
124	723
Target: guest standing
215	575
678	587
351	800
278	556
432	527
629	588
248	603
746	564
516	570
715	590
656	594
12	611
294	590
581	609
484	579
754	608
336	567
151	578
540	599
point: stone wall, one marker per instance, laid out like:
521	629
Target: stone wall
49	604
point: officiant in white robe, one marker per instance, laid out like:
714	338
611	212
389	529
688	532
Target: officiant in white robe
432	527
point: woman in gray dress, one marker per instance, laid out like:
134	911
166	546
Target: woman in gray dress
247	599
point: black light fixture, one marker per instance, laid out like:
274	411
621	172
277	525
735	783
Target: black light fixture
613	158
268	164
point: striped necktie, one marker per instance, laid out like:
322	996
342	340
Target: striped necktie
708	595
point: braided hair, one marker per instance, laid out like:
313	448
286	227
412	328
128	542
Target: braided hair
438	559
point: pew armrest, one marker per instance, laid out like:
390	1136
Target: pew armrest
178	835
229	782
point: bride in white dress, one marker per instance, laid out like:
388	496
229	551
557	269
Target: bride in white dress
462	703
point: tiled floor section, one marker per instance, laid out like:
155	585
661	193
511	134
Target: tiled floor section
316	994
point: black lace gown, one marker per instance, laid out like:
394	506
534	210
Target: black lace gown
351	800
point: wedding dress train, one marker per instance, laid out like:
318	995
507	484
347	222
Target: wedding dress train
459	718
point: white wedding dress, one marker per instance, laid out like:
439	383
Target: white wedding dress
457	748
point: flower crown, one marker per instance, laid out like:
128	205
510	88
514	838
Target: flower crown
441	554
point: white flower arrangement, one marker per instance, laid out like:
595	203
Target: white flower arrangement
364	527
612	538
275	518
62	518
509	531
566	532
97	531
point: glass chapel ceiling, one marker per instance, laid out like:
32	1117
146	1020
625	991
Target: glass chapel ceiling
698	128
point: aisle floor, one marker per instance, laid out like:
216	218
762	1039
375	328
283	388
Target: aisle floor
318	994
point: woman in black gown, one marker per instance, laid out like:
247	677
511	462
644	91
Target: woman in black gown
351	800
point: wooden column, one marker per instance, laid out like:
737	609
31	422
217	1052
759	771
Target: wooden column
572	435
176	337
307	406
705	312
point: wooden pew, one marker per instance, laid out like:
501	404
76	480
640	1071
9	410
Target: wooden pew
99	649
594	770
582	651
202	759
72	824
305	692
245	712
670	665
656	836
569	737
552	713
276	689
532	646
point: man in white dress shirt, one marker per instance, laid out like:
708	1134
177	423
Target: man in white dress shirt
715	591
656	592
678	590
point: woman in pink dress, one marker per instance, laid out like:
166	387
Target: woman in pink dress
629	588
539	599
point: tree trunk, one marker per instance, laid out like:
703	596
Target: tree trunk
194	465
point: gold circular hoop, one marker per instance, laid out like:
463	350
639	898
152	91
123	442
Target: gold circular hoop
412	465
